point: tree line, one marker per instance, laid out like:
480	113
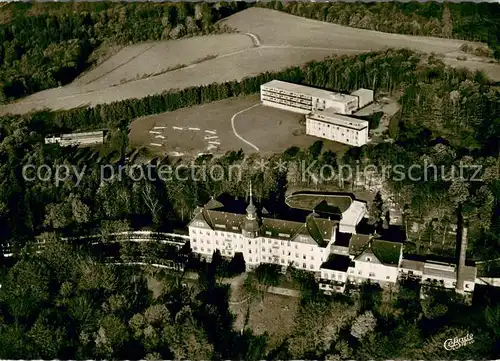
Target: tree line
45	45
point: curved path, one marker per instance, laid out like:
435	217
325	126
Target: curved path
255	39
236	133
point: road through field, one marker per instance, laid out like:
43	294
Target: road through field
268	40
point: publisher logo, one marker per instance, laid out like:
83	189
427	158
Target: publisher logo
453	344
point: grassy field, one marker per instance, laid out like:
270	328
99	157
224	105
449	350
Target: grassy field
269	129
278	41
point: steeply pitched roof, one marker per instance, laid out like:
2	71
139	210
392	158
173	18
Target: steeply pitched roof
213	204
358	243
313	231
387	252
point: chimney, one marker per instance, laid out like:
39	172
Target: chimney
462	255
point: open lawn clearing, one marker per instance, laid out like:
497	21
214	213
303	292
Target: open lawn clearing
281	40
123	56
270	130
275	315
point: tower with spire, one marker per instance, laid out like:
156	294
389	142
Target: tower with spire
251	226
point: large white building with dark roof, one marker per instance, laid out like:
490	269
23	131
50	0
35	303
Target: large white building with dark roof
303	245
317	245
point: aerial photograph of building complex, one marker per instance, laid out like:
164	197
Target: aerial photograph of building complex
249	180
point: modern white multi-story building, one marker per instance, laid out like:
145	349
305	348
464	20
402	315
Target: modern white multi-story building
338	128
303	99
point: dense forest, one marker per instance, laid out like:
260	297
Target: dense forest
460	20
45	45
64	304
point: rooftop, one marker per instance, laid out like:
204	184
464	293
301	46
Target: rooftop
358	243
387	252
354	213
331	117
83	135
311	229
314	92
362	91
412	265
337	263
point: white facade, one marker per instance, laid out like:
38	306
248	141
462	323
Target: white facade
365	97
332	281
87	138
368	267
303	99
337	128
316	246
438	274
284	243
258	250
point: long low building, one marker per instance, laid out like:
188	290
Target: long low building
338	128
79	139
303	99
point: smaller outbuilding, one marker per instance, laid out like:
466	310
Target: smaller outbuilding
365	97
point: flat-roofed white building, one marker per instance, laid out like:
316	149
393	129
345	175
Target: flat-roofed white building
365	96
80	139
338	128
303	99
352	216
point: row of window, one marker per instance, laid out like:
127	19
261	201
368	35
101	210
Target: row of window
288	103
224	234
331	276
287	97
270	250
279	91
320	125
269	241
